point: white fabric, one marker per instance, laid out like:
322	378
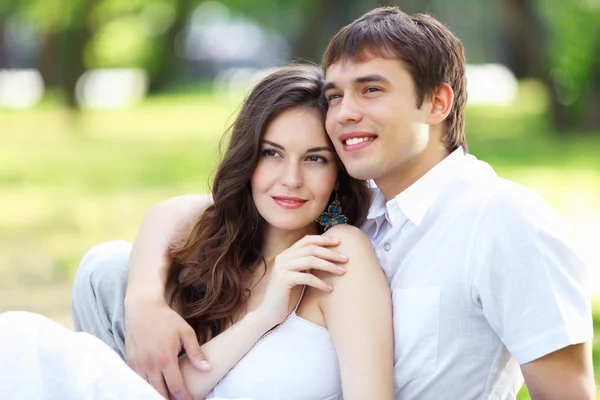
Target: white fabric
40	359
483	279
297	361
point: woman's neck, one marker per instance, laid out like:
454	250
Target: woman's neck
277	240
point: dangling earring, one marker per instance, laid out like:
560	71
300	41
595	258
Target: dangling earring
333	216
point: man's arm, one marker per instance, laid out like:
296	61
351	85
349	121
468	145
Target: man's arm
564	374
155	333
533	290
165	223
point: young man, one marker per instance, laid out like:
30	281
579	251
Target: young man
486	288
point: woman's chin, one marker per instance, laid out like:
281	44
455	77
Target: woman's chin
292	226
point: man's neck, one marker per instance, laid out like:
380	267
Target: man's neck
407	173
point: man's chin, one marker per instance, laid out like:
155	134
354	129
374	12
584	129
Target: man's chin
361	172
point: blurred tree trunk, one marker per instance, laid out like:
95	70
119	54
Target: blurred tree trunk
72	49
324	18
593	105
3	58
72	43
170	64
47	61
527	43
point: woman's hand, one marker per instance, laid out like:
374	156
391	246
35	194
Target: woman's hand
292	268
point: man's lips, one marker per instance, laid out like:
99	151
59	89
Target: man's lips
354	141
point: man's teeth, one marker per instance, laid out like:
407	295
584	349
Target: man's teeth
358	140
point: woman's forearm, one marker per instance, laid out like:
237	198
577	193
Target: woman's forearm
224	351
163	224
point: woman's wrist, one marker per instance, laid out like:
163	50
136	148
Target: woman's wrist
259	321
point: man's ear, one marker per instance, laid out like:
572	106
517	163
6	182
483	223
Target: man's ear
442	99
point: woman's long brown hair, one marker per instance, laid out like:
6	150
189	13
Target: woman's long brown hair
209	266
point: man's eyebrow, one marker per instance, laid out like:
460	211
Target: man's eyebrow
357	81
328	86
273	144
371	78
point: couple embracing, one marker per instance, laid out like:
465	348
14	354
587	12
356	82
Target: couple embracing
350	248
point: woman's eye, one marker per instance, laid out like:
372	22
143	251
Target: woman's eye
316	159
270	153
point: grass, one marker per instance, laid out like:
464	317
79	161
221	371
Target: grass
68	181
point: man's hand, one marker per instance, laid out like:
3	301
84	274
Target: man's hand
155	335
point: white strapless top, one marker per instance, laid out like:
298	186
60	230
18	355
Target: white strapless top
295	361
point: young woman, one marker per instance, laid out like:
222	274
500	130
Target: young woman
285	295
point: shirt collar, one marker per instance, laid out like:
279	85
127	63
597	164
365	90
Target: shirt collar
414	202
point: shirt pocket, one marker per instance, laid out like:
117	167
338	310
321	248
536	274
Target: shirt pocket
416	333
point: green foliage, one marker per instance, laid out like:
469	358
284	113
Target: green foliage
122	42
573	35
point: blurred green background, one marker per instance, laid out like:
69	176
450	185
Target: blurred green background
109	106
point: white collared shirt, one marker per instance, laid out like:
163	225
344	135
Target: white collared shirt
483	279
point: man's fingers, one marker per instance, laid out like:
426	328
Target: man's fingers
192	349
175	383
156	380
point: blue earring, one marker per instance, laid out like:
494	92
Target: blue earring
333	216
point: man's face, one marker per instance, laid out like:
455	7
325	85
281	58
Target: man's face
373	119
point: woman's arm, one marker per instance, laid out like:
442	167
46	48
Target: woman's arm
358	314
224	351
288	270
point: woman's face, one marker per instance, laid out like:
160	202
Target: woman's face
297	171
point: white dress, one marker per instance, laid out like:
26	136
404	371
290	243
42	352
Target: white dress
40	359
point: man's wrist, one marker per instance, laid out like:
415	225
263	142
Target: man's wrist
144	294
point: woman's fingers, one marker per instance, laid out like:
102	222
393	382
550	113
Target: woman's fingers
312	262
315	251
308	279
319	240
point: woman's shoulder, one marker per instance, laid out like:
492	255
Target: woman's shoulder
349	235
356	245
362	268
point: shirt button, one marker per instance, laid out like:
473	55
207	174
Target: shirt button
387	247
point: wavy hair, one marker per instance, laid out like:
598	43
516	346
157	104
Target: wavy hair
224	245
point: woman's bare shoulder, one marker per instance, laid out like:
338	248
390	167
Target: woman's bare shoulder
350	233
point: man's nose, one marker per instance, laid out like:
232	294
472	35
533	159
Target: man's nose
348	111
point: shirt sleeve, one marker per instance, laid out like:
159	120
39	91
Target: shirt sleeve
530	283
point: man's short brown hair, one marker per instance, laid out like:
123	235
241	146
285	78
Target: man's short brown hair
429	51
